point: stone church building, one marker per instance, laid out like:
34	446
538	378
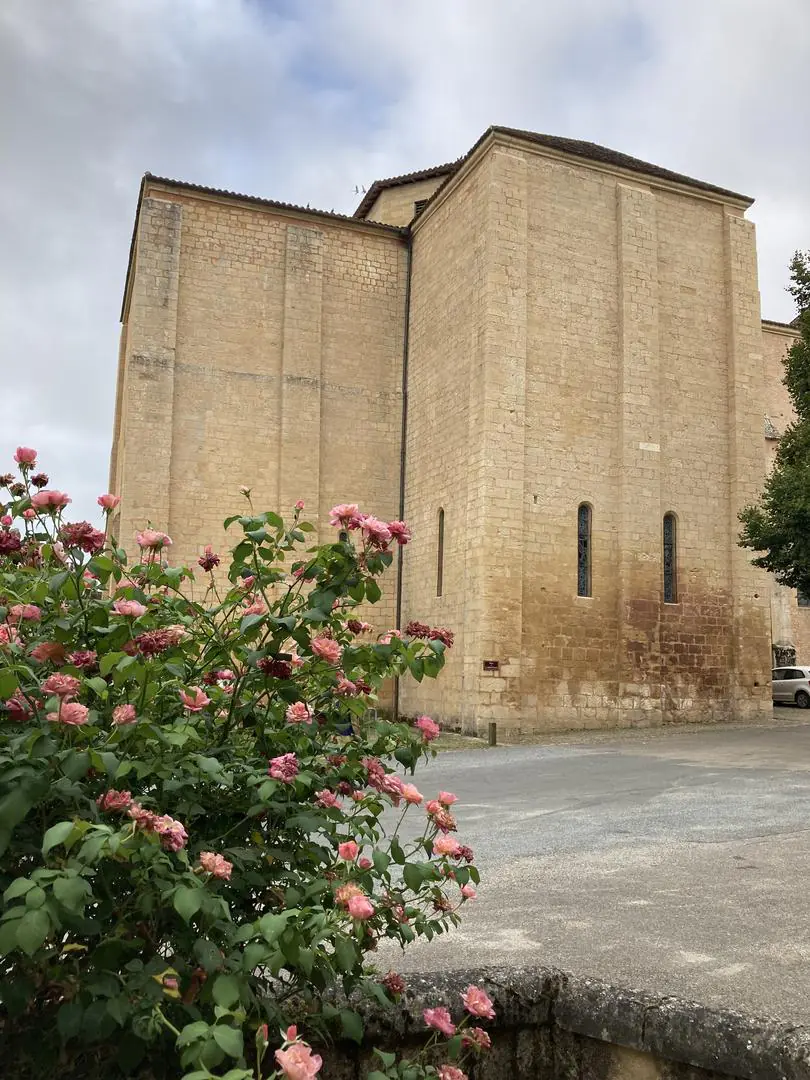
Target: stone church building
547	356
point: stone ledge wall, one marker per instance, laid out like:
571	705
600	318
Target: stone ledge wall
556	1026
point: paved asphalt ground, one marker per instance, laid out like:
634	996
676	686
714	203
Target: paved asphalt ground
675	862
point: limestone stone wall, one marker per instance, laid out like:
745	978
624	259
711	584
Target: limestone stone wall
551	1025
263	348
790	623
578	335
395	205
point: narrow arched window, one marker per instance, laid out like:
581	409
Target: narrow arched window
584	550
670	559
440	555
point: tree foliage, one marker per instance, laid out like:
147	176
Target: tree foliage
778	526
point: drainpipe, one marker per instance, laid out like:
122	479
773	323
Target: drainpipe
403	434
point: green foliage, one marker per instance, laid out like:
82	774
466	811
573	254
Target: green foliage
176	775
778	527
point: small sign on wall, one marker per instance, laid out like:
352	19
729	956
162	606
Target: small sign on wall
492	665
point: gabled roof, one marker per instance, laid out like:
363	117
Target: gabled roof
370	196
576	147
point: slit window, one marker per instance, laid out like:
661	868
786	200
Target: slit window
670	560
440	554
802	599
584	550
419	206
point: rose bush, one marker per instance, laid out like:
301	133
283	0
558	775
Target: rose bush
195	793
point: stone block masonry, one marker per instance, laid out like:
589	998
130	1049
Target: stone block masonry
574	328
555	1026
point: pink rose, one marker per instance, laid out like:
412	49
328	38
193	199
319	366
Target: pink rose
411	795
327	649
49	650
376	532
446	845
30	612
345	687
130	608
400	532
365	863
430	730
477	1003
348	850
299	505
6	520
8	635
25	456
284	768
346	515
386	639
108	502
446	798
124	714
24	611
49	500
209	559
194	699
29	514
451	1072
468	892
327	799
63	686
477	1038
298	1062
216	865
152	540
360	907
71	713
114	800
299	713
439	1019
258	607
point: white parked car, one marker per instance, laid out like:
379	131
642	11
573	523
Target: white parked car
791	685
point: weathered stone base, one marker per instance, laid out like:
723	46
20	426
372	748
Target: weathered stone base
555	1026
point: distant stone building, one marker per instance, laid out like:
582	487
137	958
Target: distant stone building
570	342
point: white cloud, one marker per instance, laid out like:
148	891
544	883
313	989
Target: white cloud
301	101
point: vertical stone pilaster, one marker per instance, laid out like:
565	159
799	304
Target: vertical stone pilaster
640	510
147	412
299	427
494	628
750	688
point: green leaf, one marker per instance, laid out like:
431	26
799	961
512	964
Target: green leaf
72	892
108	661
57	834
381	861
32	930
250	620
192	1032
306	960
18	887
208	954
397	853
346	954
352	1025
8	683
271	927
229	1039
35	897
387	1059
412	872
69	1020
373	593
187	901
225	991
99	685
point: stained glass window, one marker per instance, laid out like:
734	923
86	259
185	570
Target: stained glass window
584	550
670	560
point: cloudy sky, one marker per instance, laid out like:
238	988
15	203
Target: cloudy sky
302	100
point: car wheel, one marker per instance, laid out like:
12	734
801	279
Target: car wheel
803	699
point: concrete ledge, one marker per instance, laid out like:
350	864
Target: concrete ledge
551	1024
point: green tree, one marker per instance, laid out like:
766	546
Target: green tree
778	527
